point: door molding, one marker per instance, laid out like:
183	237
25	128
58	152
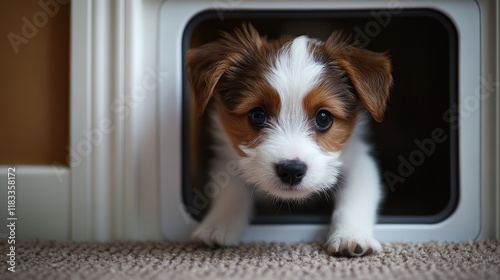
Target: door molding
113	122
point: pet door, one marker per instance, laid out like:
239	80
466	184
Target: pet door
416	145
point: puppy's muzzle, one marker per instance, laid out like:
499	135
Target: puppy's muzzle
291	171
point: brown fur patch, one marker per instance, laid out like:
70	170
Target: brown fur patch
207	64
325	97
242	85
369	72
236	123
238	129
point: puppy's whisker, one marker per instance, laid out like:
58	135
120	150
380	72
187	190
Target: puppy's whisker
326	194
252	192
334	192
341	179
279	209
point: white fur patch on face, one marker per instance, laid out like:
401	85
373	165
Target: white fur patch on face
289	136
294	72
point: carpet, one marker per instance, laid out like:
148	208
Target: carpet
169	260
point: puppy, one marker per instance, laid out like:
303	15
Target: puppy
290	112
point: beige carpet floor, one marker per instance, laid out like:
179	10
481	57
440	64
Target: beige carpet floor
166	260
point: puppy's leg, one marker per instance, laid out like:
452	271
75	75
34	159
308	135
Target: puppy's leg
228	215
351	232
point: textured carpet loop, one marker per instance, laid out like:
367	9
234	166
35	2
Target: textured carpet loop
180	261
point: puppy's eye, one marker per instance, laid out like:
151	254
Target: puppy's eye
323	120
257	117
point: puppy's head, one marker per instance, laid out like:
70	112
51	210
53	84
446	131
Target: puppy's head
288	105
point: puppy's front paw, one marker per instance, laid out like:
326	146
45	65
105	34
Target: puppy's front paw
352	245
218	234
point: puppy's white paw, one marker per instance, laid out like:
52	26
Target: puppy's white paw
352	245
218	234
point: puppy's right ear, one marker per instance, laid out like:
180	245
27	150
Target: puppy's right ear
205	66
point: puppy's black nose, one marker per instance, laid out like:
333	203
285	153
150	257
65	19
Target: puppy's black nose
291	171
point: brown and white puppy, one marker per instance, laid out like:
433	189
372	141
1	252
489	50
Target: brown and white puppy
290	112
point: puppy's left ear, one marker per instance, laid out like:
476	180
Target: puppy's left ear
205	65
370	73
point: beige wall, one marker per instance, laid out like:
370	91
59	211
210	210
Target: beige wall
34	81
